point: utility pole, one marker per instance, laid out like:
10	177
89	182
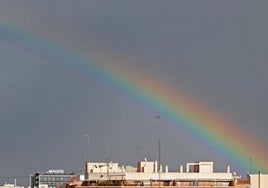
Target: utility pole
250	170
87	158
259	179
159	150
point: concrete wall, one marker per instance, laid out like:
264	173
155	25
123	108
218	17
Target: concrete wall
203	167
6	185
176	175
258	180
103	167
151	187
147	166
163	176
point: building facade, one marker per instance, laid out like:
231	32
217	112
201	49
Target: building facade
9	185
50	179
258	180
147	174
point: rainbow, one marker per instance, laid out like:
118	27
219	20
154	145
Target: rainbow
185	112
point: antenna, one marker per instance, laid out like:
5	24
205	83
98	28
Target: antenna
250	161
159	149
87	136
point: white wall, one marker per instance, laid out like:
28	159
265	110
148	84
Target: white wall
102	167
163	176
6	185
206	167
146	166
258	179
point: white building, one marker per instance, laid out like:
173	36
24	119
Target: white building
147	166
8	185
103	167
258	180
199	173
50	179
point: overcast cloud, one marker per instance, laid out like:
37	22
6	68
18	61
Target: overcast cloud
216	50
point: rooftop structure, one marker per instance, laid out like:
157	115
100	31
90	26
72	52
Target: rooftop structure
8	185
258	180
147	173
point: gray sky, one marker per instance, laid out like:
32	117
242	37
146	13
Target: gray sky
215	50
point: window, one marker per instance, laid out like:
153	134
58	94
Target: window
41	178
193	183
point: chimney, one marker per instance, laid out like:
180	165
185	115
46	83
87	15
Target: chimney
228	169
161	168
155	167
181	169
166	169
